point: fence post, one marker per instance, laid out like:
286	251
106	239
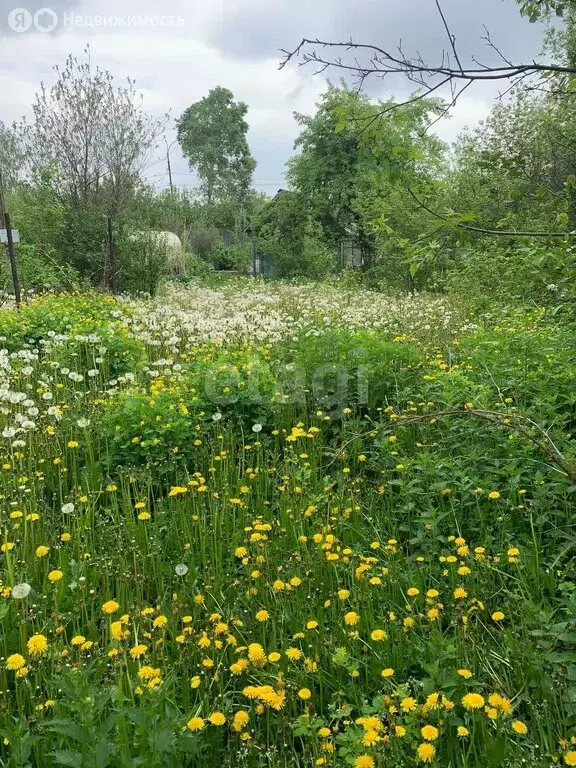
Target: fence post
7	224
12	257
254	252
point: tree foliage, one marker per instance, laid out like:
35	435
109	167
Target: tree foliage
536	10
93	134
212	135
356	160
367	176
90	140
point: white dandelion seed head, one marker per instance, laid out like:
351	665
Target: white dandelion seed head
21	591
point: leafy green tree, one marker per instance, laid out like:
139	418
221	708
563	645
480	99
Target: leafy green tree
511	173
285	229
517	171
37	210
212	135
284	219
96	140
356	162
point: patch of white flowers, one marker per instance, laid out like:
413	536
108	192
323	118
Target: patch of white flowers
186	317
249	311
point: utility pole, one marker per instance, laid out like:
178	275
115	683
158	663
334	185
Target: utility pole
6	224
169	165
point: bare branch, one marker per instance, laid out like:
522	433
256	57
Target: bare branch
451	37
495	48
381	63
483	230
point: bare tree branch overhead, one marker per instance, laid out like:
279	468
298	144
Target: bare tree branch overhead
364	61
381	63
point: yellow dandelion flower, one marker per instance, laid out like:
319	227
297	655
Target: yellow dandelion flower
364	761
408	704
15	662
429	733
304	694
312	625
388	672
37	644
195	724
426	752
138	650
472	701
42	551
240	721
55	576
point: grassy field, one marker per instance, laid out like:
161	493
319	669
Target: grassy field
286	525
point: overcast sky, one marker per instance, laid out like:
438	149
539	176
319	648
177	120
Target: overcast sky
200	44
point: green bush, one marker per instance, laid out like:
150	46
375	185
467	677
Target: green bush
39	269
143	262
89	320
533	274
342	369
194	267
144	426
